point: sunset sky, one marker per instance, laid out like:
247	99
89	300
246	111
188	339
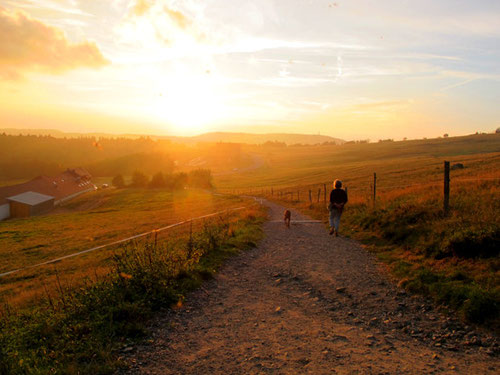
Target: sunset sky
353	69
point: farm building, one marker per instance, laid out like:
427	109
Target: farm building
67	185
29	204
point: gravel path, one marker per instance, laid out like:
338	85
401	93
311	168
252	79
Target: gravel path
304	302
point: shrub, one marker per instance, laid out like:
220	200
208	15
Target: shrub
474	243
158	181
139	179
201	178
118	181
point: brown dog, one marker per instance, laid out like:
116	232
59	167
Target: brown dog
287	217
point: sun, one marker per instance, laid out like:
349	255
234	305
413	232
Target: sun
189	103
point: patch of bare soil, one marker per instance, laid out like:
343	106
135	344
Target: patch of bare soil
304	302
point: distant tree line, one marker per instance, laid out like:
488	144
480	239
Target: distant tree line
28	156
199	178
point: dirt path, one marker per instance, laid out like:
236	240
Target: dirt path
304	302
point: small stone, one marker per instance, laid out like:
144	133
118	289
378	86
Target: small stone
278	309
340	290
435	356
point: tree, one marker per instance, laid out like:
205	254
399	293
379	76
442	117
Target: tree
201	178
118	181
446	135
139	179
497	131
157	181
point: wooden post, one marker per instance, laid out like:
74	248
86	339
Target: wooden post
374	189
272	192
319	194
298	195
310	196
446	201
190	243
324	196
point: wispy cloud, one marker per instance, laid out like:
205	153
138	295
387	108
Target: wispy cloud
67	7
27	44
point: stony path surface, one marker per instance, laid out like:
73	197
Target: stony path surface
304	302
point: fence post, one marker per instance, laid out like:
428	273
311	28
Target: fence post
310	196
190	242
298	195
324	196
446	201
272	192
374	189
319	194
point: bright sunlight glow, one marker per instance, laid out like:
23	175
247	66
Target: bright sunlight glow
189	103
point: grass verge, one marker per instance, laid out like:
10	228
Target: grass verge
80	331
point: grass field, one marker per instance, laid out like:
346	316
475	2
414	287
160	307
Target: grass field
396	163
90	220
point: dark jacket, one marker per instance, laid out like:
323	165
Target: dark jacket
338	196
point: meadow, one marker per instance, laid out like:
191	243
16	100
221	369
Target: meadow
93	219
452	258
396	163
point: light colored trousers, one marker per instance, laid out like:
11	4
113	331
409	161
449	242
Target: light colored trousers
335	218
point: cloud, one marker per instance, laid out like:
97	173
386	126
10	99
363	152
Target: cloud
140	7
179	19
27	44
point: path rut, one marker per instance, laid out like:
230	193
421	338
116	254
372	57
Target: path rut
304	302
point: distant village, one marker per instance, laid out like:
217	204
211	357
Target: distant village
42	193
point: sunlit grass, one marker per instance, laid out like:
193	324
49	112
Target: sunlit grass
90	220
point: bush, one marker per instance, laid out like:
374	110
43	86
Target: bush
157	181
176	181
118	181
201	178
474	243
139	179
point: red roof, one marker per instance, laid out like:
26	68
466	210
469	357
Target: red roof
70	182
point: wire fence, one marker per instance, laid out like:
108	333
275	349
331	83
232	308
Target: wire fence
29	283
153	232
367	190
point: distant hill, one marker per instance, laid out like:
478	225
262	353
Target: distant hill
249	138
290	139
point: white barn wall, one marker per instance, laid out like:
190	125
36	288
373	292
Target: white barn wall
4	211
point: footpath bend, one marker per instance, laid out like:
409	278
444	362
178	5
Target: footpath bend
304	302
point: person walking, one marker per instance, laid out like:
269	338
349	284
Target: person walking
338	198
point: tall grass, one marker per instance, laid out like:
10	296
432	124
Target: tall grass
79	331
